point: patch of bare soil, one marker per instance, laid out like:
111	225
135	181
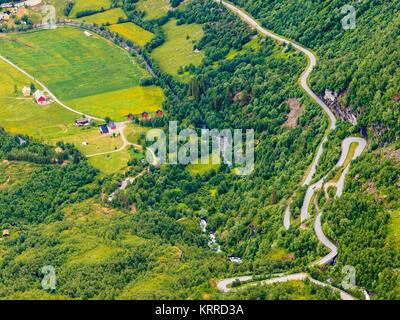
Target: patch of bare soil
2	186
21	12
295	112
303	227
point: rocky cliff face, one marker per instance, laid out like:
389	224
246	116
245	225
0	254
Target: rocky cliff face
346	114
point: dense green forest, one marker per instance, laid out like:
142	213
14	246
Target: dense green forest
361	65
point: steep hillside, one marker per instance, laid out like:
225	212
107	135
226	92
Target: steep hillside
361	65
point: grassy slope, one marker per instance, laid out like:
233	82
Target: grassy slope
177	51
154	8
100	68
97	142
214	163
133	32
81	5
109	16
25	116
54	123
118	104
84	245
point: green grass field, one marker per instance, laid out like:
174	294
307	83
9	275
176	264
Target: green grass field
20	114
97	75
203	168
178	50
97	143
113	162
52	123
132	32
154	8
136	134
81	5
109	16
118	104
349	157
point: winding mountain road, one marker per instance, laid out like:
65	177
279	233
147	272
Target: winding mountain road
305	215
222	285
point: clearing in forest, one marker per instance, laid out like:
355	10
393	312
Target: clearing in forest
154	9
178	49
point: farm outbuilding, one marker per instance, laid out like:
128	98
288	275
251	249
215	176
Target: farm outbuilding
82	122
5	16
26	91
104	129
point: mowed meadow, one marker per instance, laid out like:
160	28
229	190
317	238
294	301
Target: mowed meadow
132	32
22	115
83	5
110	16
102	80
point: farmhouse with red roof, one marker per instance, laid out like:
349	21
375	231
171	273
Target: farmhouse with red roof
145	115
40	97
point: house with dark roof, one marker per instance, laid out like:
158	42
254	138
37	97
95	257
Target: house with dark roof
159	113
145	115
82	122
130	116
104	129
